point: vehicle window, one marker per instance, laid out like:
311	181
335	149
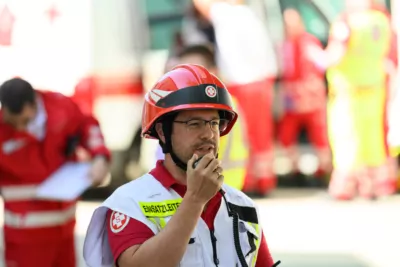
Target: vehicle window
330	8
314	21
388	5
164	17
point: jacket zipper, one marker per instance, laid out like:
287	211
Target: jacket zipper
214	245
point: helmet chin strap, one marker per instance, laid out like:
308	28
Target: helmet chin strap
167	146
178	162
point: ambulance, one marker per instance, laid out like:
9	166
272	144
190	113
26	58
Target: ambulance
90	50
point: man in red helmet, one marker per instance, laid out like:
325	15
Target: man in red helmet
180	213
39	132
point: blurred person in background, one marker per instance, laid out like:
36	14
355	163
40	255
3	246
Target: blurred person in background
248	65
233	151
303	95
196	28
360	59
39	132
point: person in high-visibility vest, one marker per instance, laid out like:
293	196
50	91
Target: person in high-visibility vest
357	57
233	150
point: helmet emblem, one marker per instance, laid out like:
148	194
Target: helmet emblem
211	91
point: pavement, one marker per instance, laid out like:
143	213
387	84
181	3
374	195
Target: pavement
304	228
308	229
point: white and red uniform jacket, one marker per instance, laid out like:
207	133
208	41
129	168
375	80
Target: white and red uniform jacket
28	158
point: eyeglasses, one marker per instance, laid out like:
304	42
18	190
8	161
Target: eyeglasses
198	125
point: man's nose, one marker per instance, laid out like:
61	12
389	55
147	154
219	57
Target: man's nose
207	133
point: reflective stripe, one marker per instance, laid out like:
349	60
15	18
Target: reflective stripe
228	163
16	193
163	223
159	222
235	153
258	242
39	219
153	220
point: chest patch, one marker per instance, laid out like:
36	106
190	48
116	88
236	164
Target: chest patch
160	209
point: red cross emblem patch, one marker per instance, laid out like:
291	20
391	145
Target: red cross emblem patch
211	91
118	221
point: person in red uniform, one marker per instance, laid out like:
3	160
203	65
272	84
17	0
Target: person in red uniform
126	239
247	62
303	94
39	132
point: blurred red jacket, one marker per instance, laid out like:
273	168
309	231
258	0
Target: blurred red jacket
303	81
26	161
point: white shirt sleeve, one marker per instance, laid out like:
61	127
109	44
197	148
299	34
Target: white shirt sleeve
245	49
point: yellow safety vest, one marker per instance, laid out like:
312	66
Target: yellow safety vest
368	44
234	154
357	83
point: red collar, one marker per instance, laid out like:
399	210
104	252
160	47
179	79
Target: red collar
163	175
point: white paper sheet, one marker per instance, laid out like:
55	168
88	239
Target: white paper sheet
67	183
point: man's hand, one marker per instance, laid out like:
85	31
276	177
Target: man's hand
99	170
205	180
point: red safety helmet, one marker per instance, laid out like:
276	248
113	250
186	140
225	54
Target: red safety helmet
186	87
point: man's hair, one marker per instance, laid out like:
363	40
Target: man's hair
15	94
206	51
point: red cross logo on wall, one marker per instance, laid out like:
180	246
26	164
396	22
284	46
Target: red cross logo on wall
52	13
7	20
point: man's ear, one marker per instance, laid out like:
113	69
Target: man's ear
160	132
